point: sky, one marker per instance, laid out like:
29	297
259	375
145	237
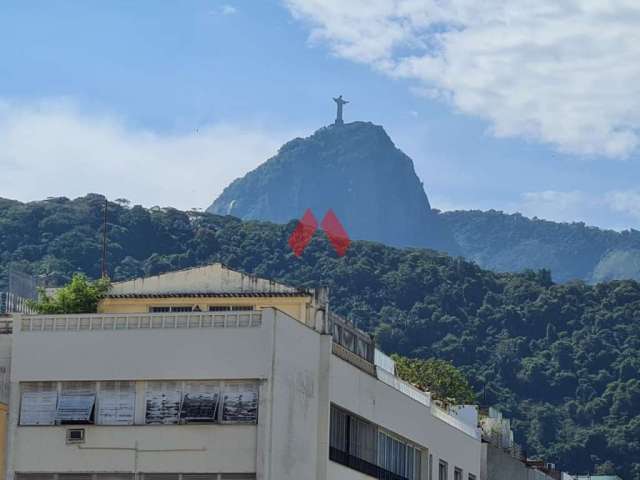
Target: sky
529	106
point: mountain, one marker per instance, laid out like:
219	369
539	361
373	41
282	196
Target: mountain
562	360
514	243
354	169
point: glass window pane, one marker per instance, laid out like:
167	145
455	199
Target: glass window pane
162	403
240	403
116	403
38	403
200	401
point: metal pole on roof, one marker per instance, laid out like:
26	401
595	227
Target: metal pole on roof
105	274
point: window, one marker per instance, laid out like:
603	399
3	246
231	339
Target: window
472	476
200	401
165	403
162	403
38	403
361	445
231	308
399	457
175	308
75	403
443	470
159	309
116	403
362	438
430	467
240	403
457	474
339	429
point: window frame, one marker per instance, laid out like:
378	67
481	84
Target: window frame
442	464
71	389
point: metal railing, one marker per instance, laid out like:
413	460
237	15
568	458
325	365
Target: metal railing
138	321
11	303
404	387
6	326
353	359
454	422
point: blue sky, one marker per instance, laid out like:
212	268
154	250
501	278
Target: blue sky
164	103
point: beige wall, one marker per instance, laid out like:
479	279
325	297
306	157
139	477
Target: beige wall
293	306
210	278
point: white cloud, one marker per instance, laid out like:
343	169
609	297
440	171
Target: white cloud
53	149
562	71
618	209
627	202
228	10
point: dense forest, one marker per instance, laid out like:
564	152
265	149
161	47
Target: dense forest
512	243
563	360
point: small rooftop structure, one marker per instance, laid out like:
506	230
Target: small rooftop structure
198	281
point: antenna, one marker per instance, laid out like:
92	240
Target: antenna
105	274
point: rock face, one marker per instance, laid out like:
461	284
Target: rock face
354	169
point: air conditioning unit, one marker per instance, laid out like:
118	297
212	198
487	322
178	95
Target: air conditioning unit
75	435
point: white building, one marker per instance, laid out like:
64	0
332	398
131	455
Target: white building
208	374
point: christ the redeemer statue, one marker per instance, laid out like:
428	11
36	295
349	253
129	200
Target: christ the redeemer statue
339	102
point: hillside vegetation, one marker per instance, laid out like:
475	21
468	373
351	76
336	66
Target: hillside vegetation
512	243
563	360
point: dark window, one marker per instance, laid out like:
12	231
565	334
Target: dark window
457	474
75	403
200	401
231	308
240	403
162	403
172	309
219	308
359	444
443	470
182	309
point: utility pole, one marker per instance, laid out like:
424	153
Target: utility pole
104	240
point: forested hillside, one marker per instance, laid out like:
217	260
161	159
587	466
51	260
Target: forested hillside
562	359
512	243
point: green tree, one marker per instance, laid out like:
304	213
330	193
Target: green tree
79	296
444	381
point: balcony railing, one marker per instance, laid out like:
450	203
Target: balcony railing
454	422
138	321
404	387
6	326
354	359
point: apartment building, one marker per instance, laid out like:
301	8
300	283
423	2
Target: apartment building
209	374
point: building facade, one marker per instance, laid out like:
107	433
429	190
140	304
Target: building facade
208	374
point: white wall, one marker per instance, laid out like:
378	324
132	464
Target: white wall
379	403
165	354
300	403
225	448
